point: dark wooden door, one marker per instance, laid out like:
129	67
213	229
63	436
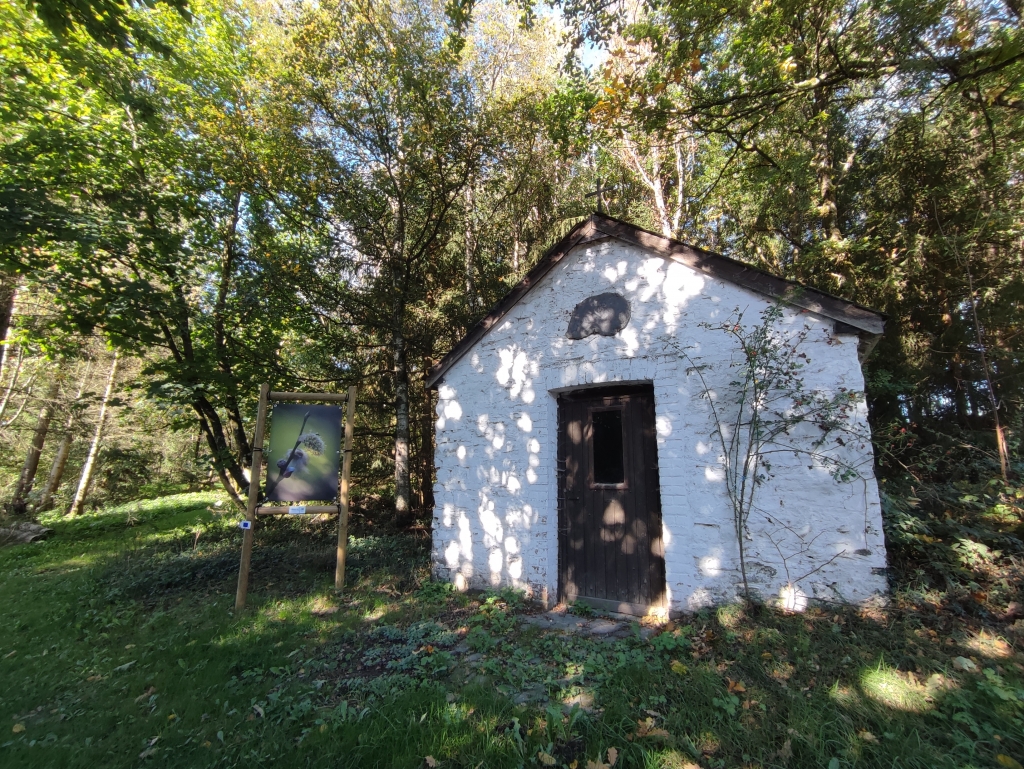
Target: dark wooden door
610	550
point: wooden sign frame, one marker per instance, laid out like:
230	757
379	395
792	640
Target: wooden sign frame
254	509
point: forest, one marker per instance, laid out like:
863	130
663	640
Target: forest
198	197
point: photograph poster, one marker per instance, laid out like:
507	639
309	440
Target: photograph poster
305	443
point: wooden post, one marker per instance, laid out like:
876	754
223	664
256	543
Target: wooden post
346	470
254	497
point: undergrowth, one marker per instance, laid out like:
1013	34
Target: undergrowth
121	649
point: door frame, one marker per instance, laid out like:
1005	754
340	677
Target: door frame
655	526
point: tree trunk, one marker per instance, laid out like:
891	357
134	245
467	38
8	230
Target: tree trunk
401	368
28	470
824	164
8	293
60	461
224	362
427	453
85	480
470	244
228	470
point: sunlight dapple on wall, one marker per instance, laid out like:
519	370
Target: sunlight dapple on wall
496	520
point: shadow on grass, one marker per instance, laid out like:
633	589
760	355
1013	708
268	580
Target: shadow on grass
122	650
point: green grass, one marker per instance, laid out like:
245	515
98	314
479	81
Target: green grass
119	648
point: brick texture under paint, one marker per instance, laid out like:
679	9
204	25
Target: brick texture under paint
495	518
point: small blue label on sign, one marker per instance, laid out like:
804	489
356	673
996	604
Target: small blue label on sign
296	510
245	525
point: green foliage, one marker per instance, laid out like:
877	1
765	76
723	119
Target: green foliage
865	150
435	591
109	22
581	609
958	538
672	642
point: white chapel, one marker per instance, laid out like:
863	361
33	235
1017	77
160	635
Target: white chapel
576	449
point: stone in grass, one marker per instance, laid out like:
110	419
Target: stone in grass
603	627
535	694
583	700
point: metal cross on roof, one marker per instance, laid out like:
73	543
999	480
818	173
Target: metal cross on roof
599	194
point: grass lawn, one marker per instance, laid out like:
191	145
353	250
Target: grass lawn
119	648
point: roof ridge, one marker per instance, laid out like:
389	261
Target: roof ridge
862	319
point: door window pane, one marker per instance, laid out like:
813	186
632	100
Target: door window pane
608	463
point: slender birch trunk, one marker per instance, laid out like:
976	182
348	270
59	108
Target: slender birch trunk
85	480
8	293
60	461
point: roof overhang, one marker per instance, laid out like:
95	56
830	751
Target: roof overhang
849	316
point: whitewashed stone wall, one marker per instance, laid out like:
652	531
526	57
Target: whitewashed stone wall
495	518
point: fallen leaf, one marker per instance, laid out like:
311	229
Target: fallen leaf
867	736
613	756
964	664
258	710
1010	763
786	751
18	728
679	668
546	759
125	666
172	717
431	761
735	686
654	713
145	694
150	750
596	765
646	729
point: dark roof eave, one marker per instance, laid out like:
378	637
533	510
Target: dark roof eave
867	322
